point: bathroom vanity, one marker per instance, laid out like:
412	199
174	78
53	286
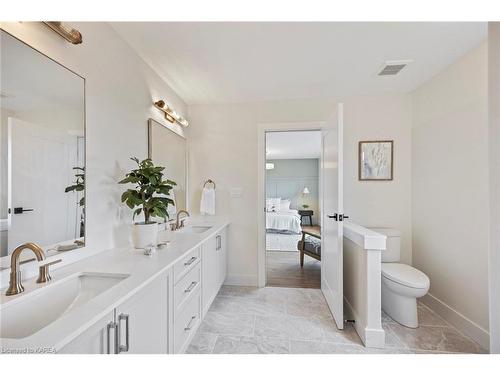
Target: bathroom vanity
120	300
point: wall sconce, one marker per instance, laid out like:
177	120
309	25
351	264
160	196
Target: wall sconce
71	35
170	114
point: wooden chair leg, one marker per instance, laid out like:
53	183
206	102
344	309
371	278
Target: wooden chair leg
301	259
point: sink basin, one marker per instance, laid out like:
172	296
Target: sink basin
195	229
26	316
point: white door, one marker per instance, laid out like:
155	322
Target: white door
332	216
40	210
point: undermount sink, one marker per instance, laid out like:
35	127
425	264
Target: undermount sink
37	310
195	229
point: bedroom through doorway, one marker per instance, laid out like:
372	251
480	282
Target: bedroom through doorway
293	217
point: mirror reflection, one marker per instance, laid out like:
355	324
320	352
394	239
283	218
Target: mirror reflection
42	147
169	149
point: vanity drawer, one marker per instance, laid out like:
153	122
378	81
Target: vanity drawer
186	322
186	263
187	287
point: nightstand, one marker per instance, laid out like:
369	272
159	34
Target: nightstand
306	213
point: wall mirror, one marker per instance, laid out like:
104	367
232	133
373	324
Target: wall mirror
169	149
42	147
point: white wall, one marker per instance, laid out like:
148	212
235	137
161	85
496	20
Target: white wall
120	88
450	202
494	135
289	178
223	146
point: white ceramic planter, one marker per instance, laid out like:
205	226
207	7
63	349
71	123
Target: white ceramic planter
144	235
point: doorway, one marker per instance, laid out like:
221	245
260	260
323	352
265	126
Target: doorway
292	208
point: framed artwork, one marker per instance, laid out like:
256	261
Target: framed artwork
376	159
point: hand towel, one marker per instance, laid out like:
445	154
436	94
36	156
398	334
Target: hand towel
207	204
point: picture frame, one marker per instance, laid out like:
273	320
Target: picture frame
376	160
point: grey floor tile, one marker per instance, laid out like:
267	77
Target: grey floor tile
228	324
250	345
202	343
435	338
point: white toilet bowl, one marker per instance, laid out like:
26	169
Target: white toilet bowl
401	286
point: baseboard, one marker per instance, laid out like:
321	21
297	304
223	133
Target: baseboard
372	338
460	322
242	280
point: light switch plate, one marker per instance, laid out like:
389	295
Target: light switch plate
236	192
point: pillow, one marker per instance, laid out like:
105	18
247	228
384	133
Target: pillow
272	204
284	205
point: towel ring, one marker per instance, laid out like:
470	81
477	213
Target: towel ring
209	182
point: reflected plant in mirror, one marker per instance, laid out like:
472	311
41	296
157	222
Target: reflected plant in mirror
79	186
42	140
149	197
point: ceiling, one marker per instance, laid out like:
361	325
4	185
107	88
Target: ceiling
293	145
225	62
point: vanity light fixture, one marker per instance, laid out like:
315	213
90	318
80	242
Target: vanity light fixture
71	35
170	114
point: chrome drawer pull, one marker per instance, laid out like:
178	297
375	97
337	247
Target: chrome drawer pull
124	348
190	261
112	326
191	287
188	327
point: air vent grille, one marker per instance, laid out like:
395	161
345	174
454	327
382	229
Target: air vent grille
392	68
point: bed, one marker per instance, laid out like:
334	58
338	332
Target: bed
283	229
283	222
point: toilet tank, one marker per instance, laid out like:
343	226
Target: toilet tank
392	252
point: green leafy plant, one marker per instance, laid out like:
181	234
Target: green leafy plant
305	206
151	190
79	184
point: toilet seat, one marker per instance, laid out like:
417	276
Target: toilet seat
405	275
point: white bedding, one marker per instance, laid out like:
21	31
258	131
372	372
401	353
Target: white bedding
288	220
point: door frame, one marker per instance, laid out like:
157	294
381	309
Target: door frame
262	129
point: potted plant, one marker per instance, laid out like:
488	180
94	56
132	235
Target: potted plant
150	197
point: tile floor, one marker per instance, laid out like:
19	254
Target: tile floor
249	320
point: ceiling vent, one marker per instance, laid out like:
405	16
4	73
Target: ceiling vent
391	68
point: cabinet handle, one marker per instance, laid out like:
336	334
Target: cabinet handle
123	348
191	287
109	327
218	242
188	327
190	261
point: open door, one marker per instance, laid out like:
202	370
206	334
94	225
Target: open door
332	216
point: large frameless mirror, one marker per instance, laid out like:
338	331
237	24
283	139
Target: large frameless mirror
42	147
169	149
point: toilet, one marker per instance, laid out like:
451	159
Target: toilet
401	283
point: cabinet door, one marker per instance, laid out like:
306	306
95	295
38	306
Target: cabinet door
221	258
98	339
143	319
208	272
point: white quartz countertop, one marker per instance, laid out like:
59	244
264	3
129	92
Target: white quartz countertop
140	267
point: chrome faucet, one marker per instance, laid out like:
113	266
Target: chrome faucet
180	224
15	285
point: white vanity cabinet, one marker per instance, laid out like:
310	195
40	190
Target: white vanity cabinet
139	325
95	339
214	268
142	320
